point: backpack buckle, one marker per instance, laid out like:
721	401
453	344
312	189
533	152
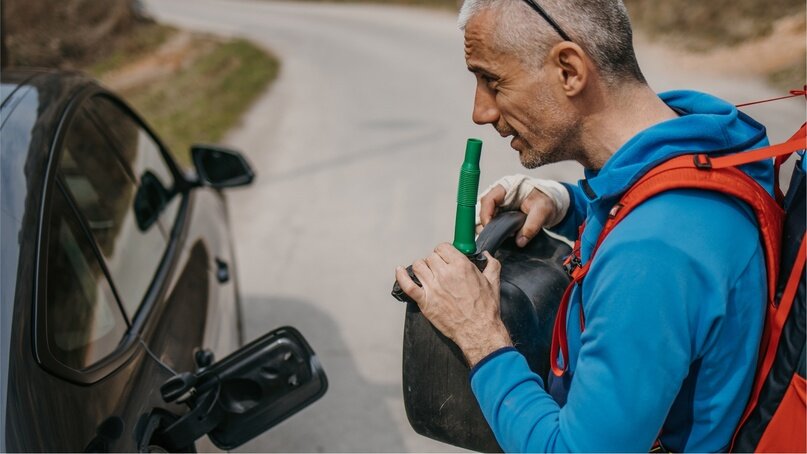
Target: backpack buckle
571	264
702	161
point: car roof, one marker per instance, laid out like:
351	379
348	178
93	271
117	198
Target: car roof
11	83
52	86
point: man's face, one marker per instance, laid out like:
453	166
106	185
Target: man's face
516	100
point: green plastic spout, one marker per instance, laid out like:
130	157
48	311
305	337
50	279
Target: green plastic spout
465	224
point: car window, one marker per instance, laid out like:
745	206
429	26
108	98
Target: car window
119	214
84	321
141	153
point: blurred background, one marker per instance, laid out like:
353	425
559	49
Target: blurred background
355	116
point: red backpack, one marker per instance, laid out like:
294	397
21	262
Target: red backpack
774	419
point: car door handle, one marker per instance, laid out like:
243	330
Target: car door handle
222	271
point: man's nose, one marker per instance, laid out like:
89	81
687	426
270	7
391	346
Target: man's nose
485	110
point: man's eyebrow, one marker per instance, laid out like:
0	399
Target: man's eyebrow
479	70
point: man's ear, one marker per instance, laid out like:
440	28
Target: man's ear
571	66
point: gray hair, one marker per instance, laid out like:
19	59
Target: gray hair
601	27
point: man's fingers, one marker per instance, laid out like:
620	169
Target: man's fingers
448	252
538	212
408	285
492	269
435	262
422	271
490	202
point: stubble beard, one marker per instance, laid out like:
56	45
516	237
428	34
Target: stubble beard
561	136
562	145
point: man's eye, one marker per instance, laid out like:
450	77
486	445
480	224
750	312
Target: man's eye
490	82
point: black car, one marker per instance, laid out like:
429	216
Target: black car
119	288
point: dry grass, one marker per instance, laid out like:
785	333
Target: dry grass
138	42
766	38
67	33
703	25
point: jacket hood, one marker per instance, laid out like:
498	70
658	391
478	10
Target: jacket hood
706	124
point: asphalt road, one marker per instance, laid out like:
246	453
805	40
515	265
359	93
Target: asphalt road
357	147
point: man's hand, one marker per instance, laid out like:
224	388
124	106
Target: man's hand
459	301
538	207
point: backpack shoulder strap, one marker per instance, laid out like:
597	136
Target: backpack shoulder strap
798	142
699	171
693	171
782	151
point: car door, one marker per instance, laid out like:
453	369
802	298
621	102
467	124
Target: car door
97	380
127	275
187	313
199	286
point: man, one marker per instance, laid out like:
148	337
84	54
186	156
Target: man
673	302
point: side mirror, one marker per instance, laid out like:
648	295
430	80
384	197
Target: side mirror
246	393
150	200
221	167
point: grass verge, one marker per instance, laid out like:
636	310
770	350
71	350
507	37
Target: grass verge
202	102
211	85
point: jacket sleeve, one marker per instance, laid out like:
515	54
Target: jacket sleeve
651	301
575	214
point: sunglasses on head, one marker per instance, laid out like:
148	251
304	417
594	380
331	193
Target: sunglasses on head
548	19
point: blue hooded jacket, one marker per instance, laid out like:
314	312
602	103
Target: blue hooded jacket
674	307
